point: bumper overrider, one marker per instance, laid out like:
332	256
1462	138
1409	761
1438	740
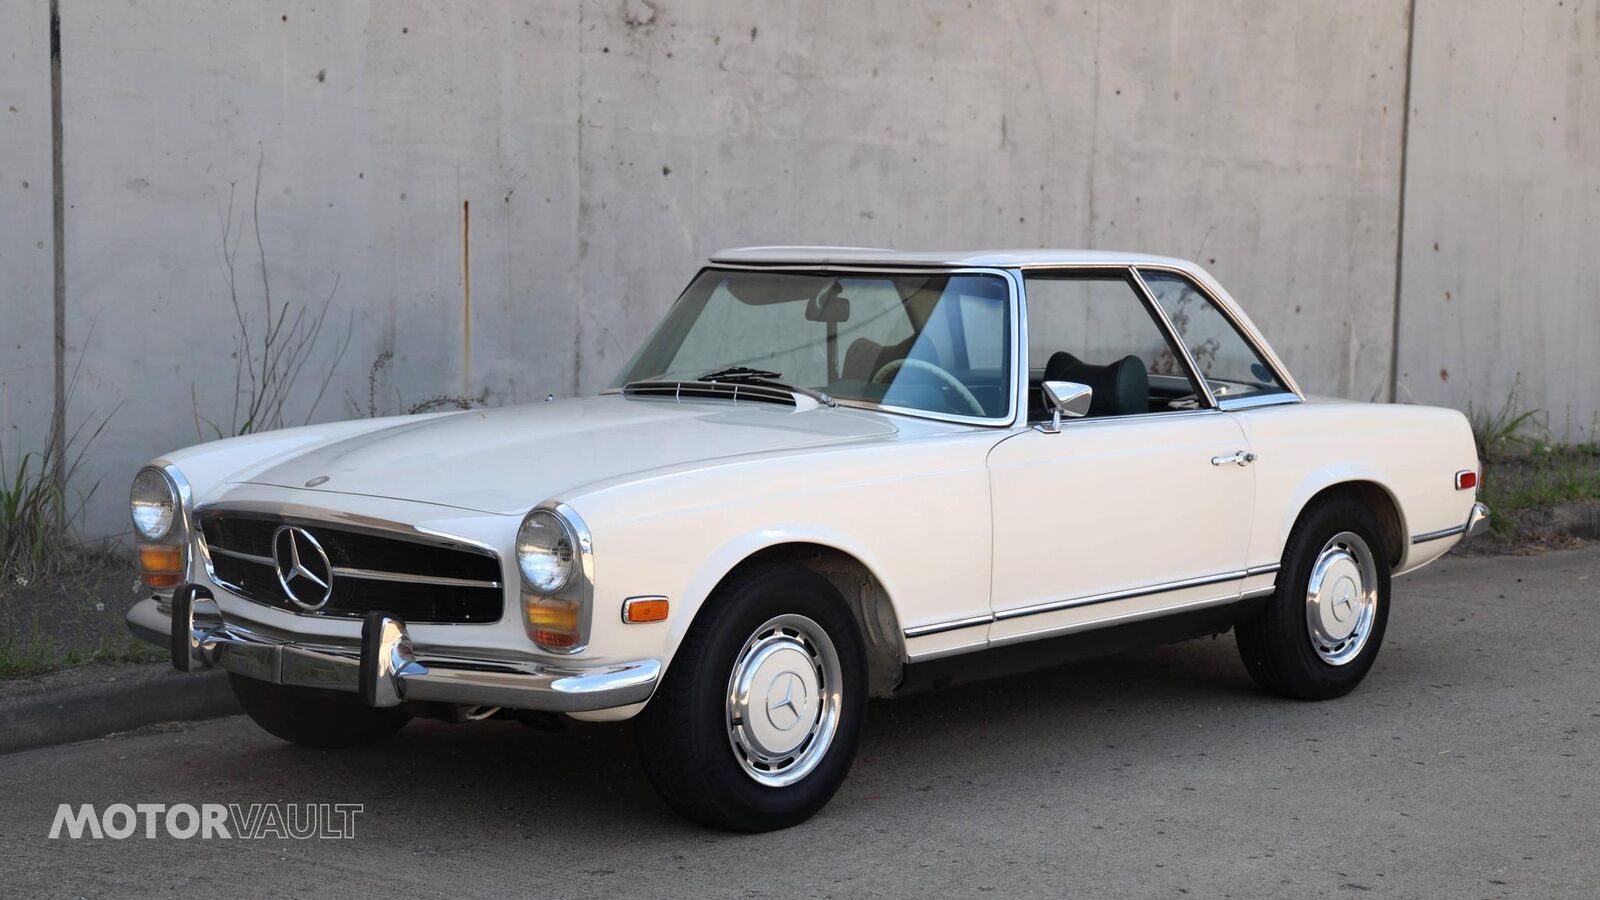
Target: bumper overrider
385	669
1477	520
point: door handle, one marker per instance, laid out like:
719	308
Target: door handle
1238	458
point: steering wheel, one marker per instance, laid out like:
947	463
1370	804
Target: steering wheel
884	374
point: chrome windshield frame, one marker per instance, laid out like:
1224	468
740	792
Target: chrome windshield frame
1018	411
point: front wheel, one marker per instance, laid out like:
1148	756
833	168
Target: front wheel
1321	629
758	719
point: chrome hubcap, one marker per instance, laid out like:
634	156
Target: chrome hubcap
783	700
1342	598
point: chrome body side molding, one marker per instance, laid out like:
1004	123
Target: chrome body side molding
1114	616
1441	534
1477	523
1112	596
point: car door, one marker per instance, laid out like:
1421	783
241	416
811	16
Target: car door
1141	508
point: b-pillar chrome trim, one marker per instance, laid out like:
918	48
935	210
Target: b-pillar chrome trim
386	669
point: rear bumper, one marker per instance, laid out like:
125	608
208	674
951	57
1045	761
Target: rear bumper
1478	520
385	669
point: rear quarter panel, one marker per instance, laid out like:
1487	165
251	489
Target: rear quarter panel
1412	452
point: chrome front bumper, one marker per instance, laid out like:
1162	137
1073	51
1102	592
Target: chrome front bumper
385	670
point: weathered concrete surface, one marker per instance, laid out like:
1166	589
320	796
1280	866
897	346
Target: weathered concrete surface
1270	153
27	312
580	160
1503	210
1467	765
606	148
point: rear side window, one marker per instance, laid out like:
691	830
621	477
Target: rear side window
1228	362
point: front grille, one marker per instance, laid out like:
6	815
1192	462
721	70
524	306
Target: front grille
416	580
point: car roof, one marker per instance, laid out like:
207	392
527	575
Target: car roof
868	256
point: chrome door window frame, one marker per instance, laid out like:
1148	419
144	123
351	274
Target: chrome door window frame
1249	335
1130	274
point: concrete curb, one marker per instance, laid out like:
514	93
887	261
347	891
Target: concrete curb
94	701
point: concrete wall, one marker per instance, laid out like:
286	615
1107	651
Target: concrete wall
1502	265
27	309
580	160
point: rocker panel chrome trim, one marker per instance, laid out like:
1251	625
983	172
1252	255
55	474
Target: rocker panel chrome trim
1133	615
935	628
1129	594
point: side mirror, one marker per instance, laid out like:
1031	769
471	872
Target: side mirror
1066	398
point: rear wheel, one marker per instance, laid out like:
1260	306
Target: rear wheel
1322	628
757	721
315	718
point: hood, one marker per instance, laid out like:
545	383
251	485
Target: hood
510	459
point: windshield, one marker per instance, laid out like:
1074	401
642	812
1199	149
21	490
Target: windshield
938	343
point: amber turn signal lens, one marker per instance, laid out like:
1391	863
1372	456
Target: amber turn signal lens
637	610
559	640
553	623
160	566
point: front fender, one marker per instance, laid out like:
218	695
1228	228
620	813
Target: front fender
729	555
917	517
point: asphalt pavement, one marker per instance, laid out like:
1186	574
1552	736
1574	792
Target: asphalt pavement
1465	766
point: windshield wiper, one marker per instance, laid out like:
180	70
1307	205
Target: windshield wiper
747	375
735	373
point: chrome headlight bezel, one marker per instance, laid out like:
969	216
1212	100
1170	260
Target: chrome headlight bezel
152	488
546	566
164	556
556	613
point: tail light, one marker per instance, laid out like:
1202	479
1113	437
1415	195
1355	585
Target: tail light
1466	480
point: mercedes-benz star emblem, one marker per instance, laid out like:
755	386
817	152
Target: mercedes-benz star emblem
303	567
790	681
1343	603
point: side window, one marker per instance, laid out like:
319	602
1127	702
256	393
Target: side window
1094	329
1228	362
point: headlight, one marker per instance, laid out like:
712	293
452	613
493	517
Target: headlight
545	552
154	500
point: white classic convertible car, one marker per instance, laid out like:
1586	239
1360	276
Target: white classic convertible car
829	474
